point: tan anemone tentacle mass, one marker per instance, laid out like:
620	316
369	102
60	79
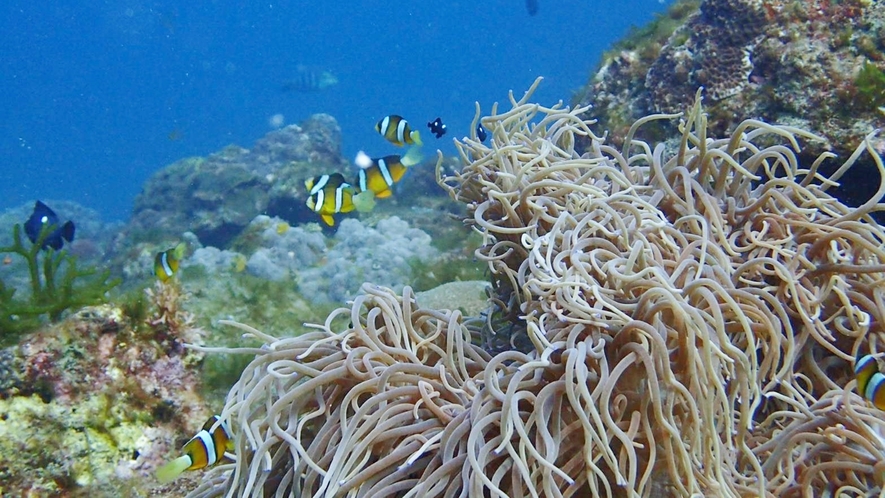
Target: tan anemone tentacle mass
675	319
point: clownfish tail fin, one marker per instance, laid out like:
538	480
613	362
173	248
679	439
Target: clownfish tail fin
170	471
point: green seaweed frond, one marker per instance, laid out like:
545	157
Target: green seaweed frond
57	285
870	84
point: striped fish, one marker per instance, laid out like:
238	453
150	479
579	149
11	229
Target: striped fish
870	381
203	450
397	131
329	195
309	80
166	263
383	173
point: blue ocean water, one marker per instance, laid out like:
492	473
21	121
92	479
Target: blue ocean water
97	96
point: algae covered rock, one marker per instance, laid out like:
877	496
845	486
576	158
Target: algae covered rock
806	64
813	65
92	404
469	296
217	196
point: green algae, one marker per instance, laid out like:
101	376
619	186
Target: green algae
870	84
447	269
648	38
57	285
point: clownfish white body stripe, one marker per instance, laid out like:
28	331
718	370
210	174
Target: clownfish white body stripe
205	449
870	381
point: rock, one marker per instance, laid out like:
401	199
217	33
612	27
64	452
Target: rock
217	196
468	296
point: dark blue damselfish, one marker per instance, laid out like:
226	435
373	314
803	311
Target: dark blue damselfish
44	215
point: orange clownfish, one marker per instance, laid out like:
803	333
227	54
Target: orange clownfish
203	450
397	131
870	381
166	262
383	173
330	194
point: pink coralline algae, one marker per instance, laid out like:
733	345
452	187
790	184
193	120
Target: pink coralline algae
123	390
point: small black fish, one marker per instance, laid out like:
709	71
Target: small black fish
43	215
531	6
481	133
437	127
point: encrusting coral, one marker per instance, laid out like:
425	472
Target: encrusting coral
692	316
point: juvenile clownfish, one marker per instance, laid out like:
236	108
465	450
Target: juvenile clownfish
397	131
870	381
166	263
330	194
380	177
203	450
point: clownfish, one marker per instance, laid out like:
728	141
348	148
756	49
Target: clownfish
166	263
383	173
203	450
870	380
397	131
330	194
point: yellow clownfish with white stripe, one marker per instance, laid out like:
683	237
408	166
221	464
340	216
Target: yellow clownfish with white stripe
397	131
330	194
203	450
166	262
383	173
870	381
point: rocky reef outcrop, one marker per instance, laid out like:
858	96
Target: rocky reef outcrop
812	64
217	196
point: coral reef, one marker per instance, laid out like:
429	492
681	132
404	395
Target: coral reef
283	251
94	403
692	315
804	63
391	254
217	196
712	50
330	269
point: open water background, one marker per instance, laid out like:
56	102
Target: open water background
97	96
